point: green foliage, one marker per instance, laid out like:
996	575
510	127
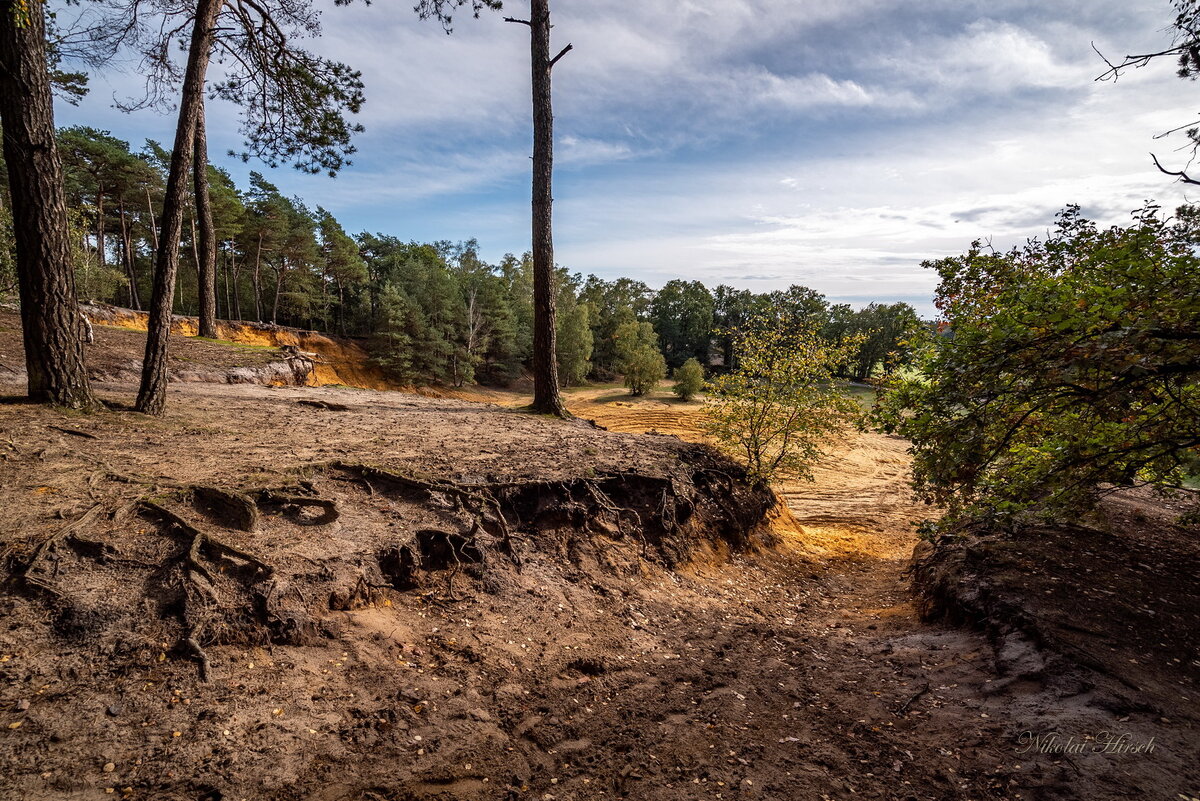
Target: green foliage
466	320
781	405
8	253
885	333
417	332
574	342
1061	368
612	304
639	357
682	313
689	379
92	281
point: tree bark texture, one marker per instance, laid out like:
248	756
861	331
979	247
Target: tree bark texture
152	396
207	253
546	397
50	317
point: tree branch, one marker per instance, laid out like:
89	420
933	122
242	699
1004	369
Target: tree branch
1133	61
1181	175
519	21
564	51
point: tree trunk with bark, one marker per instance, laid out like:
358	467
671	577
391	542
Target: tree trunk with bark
279	268
153	220
207	254
546	397
127	257
50	317
235	295
152	396
100	224
257	279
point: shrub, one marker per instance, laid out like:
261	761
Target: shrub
689	379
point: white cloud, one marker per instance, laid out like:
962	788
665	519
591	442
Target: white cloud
764	142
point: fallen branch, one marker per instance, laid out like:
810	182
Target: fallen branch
73	432
903	710
328	406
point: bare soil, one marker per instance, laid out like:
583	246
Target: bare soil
441	598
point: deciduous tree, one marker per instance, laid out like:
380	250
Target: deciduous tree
782	406
1063	369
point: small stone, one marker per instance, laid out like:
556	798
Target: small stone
109	767
481	715
113	710
22	705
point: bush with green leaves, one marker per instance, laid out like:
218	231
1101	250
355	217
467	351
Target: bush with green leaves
1063	369
782	405
689	379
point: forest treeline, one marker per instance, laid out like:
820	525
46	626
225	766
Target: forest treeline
433	312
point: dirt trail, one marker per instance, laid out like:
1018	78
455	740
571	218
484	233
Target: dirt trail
940	710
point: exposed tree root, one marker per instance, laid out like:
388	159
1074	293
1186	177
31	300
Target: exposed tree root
479	503
204	542
50	543
199	579
326	405
235	507
296	502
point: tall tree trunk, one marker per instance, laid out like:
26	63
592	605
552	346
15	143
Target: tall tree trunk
546	397
127	257
279	268
341	308
258	280
152	396
153	220
236	295
100	224
50	319
195	256
325	298
225	274
207	256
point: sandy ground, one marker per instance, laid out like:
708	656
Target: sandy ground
796	672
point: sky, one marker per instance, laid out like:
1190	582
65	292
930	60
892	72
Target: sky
756	143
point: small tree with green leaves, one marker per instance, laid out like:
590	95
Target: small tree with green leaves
781	406
689	379
640	359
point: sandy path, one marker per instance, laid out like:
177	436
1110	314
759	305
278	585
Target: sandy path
924	700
